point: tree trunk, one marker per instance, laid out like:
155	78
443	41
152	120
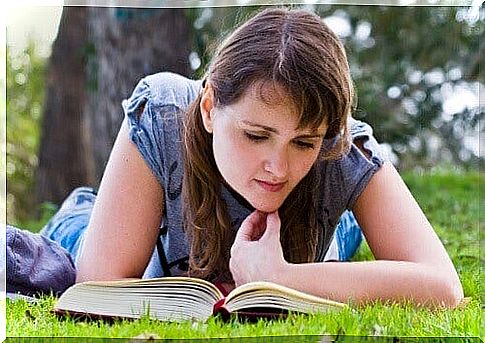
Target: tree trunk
128	45
63	154
98	57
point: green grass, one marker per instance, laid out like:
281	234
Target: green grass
451	202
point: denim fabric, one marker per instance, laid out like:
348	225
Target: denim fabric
348	236
36	264
68	225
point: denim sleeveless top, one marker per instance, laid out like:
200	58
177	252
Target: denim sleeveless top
154	116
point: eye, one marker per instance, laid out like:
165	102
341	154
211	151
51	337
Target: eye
304	145
254	138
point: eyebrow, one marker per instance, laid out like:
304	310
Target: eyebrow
272	129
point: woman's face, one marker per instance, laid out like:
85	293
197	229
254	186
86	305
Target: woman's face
257	148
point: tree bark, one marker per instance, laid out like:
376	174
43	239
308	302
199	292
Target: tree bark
63	153
97	59
128	45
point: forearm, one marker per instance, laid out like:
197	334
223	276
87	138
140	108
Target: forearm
364	282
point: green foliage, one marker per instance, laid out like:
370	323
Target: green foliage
407	69
46	211
451	203
25	96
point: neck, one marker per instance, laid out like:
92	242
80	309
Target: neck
239	198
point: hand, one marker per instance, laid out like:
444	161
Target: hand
228	286
256	254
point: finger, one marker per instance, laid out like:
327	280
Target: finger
273	225
251	226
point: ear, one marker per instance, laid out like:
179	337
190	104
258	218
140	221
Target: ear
206	107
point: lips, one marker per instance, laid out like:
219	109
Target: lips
271	187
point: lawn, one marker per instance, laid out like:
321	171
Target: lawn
451	202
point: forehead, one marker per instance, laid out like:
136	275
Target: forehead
270	94
268	101
264	101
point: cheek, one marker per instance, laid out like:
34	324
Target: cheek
303	163
234	156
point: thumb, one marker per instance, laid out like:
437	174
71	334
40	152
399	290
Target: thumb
251	226
273	226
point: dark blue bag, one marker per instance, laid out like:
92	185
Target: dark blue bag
36	265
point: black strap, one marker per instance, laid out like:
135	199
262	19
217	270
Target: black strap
181	263
161	255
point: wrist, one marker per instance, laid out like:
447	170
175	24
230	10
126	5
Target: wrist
280	274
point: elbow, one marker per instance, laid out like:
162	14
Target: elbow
100	276
81	278
455	295
450	293
85	272
83	275
90	270
91	273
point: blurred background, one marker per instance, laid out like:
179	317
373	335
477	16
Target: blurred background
416	70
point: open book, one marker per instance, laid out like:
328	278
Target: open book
183	298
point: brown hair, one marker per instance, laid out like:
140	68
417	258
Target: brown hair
297	51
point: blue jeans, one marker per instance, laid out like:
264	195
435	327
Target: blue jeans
68	225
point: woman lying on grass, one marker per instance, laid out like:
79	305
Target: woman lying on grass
258	172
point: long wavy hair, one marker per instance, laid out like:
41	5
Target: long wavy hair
294	49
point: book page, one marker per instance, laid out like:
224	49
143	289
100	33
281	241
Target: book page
155	281
170	298
270	295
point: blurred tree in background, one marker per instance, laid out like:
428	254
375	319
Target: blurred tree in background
64	161
416	69
128	44
97	57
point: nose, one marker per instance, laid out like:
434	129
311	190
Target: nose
278	164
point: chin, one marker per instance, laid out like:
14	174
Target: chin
267	210
266	207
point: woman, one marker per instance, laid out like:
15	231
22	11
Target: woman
250	172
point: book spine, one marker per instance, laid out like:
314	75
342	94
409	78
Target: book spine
220	309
